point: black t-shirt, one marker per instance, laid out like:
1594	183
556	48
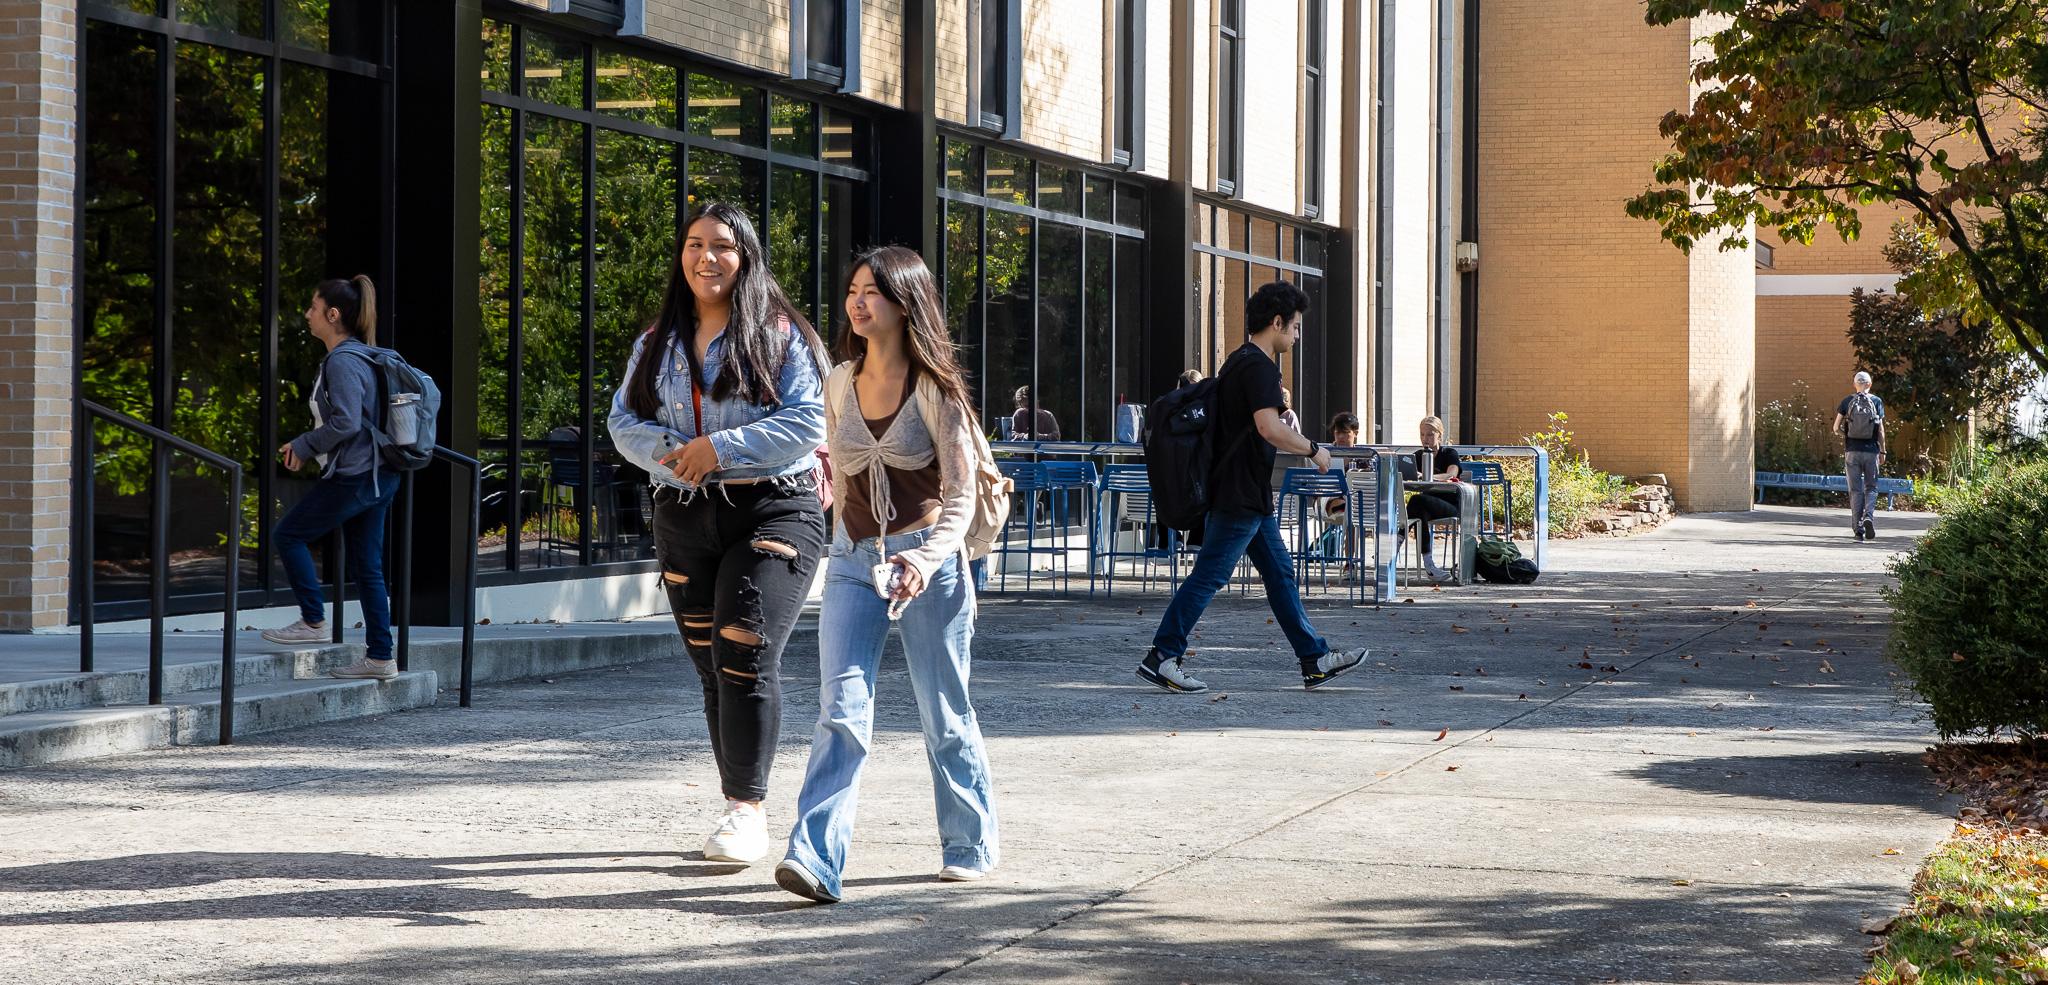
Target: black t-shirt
1428	467
1248	383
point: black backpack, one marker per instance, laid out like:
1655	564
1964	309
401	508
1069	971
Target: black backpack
1180	452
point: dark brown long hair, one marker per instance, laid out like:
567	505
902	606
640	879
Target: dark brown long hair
902	277
754	343
356	301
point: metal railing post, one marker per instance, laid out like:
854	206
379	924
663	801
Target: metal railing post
159	562
86	548
337	575
404	599
231	609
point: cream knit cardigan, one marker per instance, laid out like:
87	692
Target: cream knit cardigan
929	426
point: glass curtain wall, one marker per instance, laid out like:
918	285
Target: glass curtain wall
1044	279
232	155
591	160
1236	252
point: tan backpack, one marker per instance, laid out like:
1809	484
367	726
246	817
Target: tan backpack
991	487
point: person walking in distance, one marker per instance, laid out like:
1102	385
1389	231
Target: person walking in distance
900	427
1859	419
1248	432
353	493
722	402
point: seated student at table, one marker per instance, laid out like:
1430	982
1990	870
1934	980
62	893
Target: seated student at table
1027	426
1436	462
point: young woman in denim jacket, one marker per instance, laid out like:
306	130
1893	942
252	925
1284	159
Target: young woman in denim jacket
902	438
722	403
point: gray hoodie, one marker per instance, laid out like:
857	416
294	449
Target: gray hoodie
345	400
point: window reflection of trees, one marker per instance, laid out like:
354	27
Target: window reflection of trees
222	330
641	184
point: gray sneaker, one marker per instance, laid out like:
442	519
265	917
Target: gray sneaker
376	670
298	634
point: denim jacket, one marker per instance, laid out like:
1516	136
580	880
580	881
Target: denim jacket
752	441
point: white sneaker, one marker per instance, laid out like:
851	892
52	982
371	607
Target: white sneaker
1435	573
741	835
1168	675
1330	664
961	873
299	633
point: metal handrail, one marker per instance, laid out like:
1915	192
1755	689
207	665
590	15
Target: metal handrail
476	484
159	561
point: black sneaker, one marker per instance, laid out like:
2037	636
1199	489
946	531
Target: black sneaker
1858	530
1324	669
1168	675
1869	530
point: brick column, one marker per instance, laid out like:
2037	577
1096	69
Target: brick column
38	129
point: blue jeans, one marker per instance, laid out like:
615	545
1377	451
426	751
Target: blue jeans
1227	537
938	633
357	506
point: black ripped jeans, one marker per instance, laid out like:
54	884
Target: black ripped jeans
747	556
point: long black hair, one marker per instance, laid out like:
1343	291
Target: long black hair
754	343
902	277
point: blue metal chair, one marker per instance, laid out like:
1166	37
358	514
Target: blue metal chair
1030	479
1488	476
1302	491
1361	519
1069	484
1124	503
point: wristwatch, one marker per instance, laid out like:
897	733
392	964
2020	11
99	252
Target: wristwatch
1313	447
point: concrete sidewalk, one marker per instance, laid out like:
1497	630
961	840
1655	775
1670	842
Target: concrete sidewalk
1675	759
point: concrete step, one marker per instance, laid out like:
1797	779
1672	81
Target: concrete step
63	717
131	687
193	718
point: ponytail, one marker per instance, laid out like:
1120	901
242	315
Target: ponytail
356	300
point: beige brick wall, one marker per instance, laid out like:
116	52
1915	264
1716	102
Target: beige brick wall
1062	93
1803	339
1582	309
754	33
951	59
38	127
881	52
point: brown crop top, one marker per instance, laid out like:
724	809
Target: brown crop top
915	493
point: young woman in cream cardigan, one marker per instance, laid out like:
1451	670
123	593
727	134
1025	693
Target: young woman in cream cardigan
902	439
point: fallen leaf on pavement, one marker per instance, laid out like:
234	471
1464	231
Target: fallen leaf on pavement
1825	667
1440	735
1455	628
1681	882
1879	925
1220	697
1386	724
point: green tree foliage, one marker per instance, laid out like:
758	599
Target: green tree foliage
1933	371
1971	608
1817	107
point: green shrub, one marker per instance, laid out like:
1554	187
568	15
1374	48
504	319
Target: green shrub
1578	491
1971	607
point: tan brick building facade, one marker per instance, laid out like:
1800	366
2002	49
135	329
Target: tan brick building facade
38	125
1584	310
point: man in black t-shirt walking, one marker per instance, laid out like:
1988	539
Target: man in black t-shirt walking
1246	432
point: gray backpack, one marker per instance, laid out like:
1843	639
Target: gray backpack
412	406
1863	418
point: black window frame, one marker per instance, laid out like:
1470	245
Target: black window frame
1316	394
843	77
1315	100
1127	122
762	161
261	482
1120	229
1001	112
1229	122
